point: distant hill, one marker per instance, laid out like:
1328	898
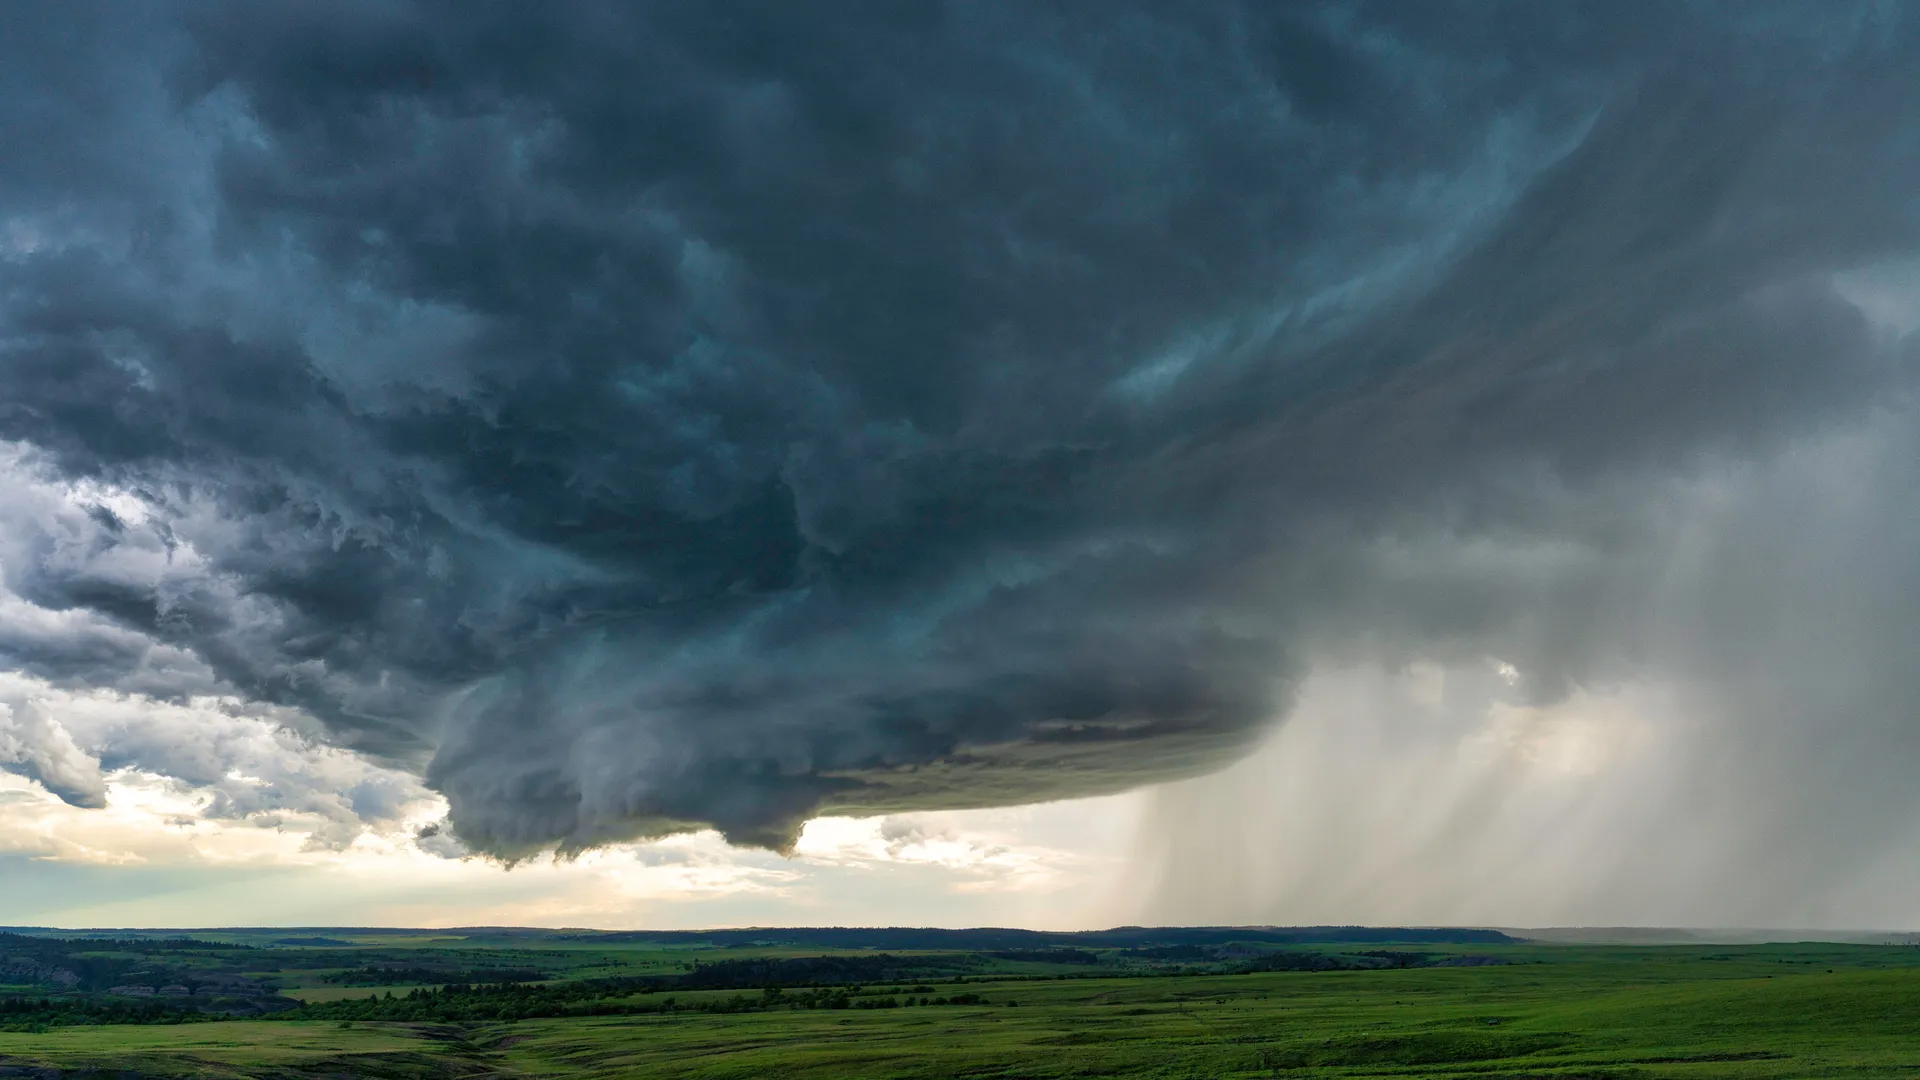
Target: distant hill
850	937
989	938
1666	935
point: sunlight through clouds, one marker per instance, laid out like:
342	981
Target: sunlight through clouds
221	791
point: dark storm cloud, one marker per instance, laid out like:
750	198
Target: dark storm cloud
644	416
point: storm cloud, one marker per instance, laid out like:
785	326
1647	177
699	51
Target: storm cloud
635	418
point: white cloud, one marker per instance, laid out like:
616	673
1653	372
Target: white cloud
209	788
981	851
38	746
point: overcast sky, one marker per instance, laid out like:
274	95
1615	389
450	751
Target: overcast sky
1056	464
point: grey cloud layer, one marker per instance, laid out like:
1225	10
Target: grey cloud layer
636	418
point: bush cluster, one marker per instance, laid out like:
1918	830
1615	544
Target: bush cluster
39	1014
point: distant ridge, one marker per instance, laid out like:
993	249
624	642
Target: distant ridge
900	937
1669	935
862	937
992	937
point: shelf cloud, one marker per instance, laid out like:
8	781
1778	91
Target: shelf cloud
631	419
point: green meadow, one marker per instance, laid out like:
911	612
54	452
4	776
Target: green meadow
1571	1011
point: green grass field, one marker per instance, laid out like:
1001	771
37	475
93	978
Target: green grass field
236	1049
1554	1011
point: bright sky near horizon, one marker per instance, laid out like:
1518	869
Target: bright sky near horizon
165	853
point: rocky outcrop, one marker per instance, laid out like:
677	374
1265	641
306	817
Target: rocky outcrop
20	969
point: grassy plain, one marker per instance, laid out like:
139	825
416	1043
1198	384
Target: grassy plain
234	1049
1618	1016
1574	1011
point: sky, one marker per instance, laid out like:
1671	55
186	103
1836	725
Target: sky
688	464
